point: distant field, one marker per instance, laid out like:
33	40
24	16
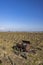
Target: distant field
8	39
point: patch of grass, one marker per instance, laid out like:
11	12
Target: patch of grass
8	39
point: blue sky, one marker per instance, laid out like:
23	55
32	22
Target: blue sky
21	15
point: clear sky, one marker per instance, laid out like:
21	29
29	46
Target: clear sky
21	15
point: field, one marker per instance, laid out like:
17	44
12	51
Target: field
7	55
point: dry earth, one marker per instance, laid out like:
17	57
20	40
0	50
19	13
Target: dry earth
8	57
